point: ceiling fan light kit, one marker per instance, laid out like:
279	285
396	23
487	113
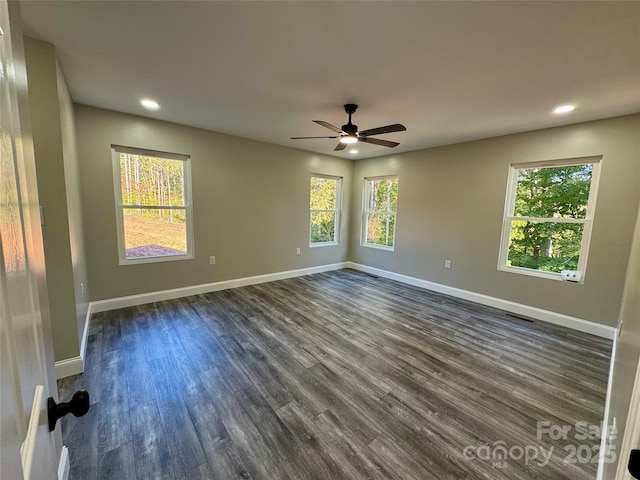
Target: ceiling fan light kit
349	133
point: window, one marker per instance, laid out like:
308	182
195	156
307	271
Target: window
548	215
324	204
153	205
379	212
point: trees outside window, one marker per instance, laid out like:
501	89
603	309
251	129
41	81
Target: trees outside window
153	205
548	216
379	212
324	204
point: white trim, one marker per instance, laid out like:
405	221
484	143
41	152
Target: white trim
337	211
574	323
323	244
69	366
541	219
28	447
559	161
364	218
159	258
509	214
533	273
631	430
604	441
141	299
64	467
149	153
85	333
379	247
116	150
73	366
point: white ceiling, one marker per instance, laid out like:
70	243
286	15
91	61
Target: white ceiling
449	71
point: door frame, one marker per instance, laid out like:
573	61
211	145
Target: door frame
631	437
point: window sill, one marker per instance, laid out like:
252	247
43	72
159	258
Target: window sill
167	258
535	273
323	244
377	247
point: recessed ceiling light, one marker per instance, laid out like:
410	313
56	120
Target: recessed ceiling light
564	109
353	151
150	104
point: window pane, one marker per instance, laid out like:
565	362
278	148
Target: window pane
382	195
545	246
151	180
323	227
323	193
380	229
154	233
553	192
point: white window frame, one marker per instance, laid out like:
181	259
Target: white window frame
365	213
116	150
337	211
509	208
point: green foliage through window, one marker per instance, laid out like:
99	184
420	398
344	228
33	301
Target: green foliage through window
549	217
381	204
324	200
153	209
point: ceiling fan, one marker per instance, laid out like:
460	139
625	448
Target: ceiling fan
349	133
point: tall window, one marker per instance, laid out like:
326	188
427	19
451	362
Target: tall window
153	205
379	212
548	215
324	207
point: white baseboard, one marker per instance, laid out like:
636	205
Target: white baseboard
69	366
141	299
64	467
73	366
85	333
518	308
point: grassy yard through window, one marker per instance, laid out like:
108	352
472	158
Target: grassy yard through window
153	205
148	235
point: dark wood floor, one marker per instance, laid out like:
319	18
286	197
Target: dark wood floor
338	375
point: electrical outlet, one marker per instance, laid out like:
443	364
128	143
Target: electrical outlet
82	289
298	251
212	260
447	264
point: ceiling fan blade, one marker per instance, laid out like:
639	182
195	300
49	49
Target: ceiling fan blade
396	127
377	141
329	126
302	138
341	146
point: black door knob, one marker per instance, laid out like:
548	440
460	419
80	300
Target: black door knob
79	405
634	463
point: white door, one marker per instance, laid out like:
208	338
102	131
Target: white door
627	362
623	399
27	448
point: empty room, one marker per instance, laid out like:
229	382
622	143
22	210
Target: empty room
320	240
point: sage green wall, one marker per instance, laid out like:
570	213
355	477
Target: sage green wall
251	204
52	122
251	210
74	203
451	204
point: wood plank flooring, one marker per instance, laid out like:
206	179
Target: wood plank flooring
339	375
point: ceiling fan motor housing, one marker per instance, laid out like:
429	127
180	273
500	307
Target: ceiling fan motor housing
350	108
350	129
